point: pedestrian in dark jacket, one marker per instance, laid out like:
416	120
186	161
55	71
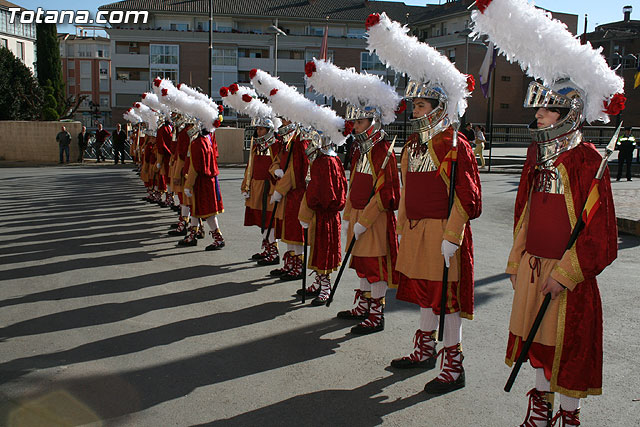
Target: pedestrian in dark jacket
64	139
119	139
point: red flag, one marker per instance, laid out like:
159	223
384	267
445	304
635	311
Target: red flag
593	203
324	49
452	156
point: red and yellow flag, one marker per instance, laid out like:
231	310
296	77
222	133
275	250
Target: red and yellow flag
593	203
452	156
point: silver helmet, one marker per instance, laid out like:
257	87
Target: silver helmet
373	134
267	139
436	121
565	134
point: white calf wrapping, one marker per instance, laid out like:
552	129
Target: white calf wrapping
542	383
452	329
378	289
428	320
213	222
365	286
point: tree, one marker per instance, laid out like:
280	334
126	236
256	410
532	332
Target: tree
49	64
50	108
22	97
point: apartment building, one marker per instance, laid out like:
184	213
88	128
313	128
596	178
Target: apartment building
17	37
174	44
86	67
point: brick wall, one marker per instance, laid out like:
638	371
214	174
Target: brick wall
35	141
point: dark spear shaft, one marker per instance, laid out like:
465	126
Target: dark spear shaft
304	266
353	239
524	353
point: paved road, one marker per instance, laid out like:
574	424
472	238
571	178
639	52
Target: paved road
103	318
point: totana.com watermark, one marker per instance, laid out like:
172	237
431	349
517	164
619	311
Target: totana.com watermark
41	16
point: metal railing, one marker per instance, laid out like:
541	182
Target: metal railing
107	149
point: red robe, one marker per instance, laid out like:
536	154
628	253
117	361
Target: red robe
574	364
380	268
261	173
292	186
427	293
320	208
163	143
203	178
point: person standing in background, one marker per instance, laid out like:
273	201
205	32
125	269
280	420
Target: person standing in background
480	141
101	137
64	139
119	139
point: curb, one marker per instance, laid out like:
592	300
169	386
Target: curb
628	226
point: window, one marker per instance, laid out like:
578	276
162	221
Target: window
204	26
253	53
104	85
104	101
316	31
225	78
85	50
165	73
356	33
164	61
290	54
225	57
164	54
71	64
504	106
4	43
85	76
506	78
179	27
451	54
370	62
310	54
103	51
20	50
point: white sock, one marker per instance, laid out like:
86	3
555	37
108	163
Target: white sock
378	289
213	222
365	286
176	199
428	320
568	403
184	211
272	235
542	383
194	221
452	329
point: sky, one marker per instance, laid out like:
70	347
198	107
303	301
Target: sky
599	12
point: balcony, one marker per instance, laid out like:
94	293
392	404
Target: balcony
261	63
130	60
131	86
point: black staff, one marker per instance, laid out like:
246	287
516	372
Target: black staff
452	196
304	266
353	239
547	299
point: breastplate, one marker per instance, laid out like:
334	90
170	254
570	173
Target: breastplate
547	179
420	159
363	165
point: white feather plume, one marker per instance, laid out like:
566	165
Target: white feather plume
189	105
131	116
152	101
198	95
288	102
546	50
406	54
147	115
359	89
254	108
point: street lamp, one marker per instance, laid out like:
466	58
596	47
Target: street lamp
95	111
277	32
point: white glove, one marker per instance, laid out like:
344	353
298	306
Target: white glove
448	249
304	225
345	227
245	194
279	173
275	197
188	192
358	229
399	237
158	165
